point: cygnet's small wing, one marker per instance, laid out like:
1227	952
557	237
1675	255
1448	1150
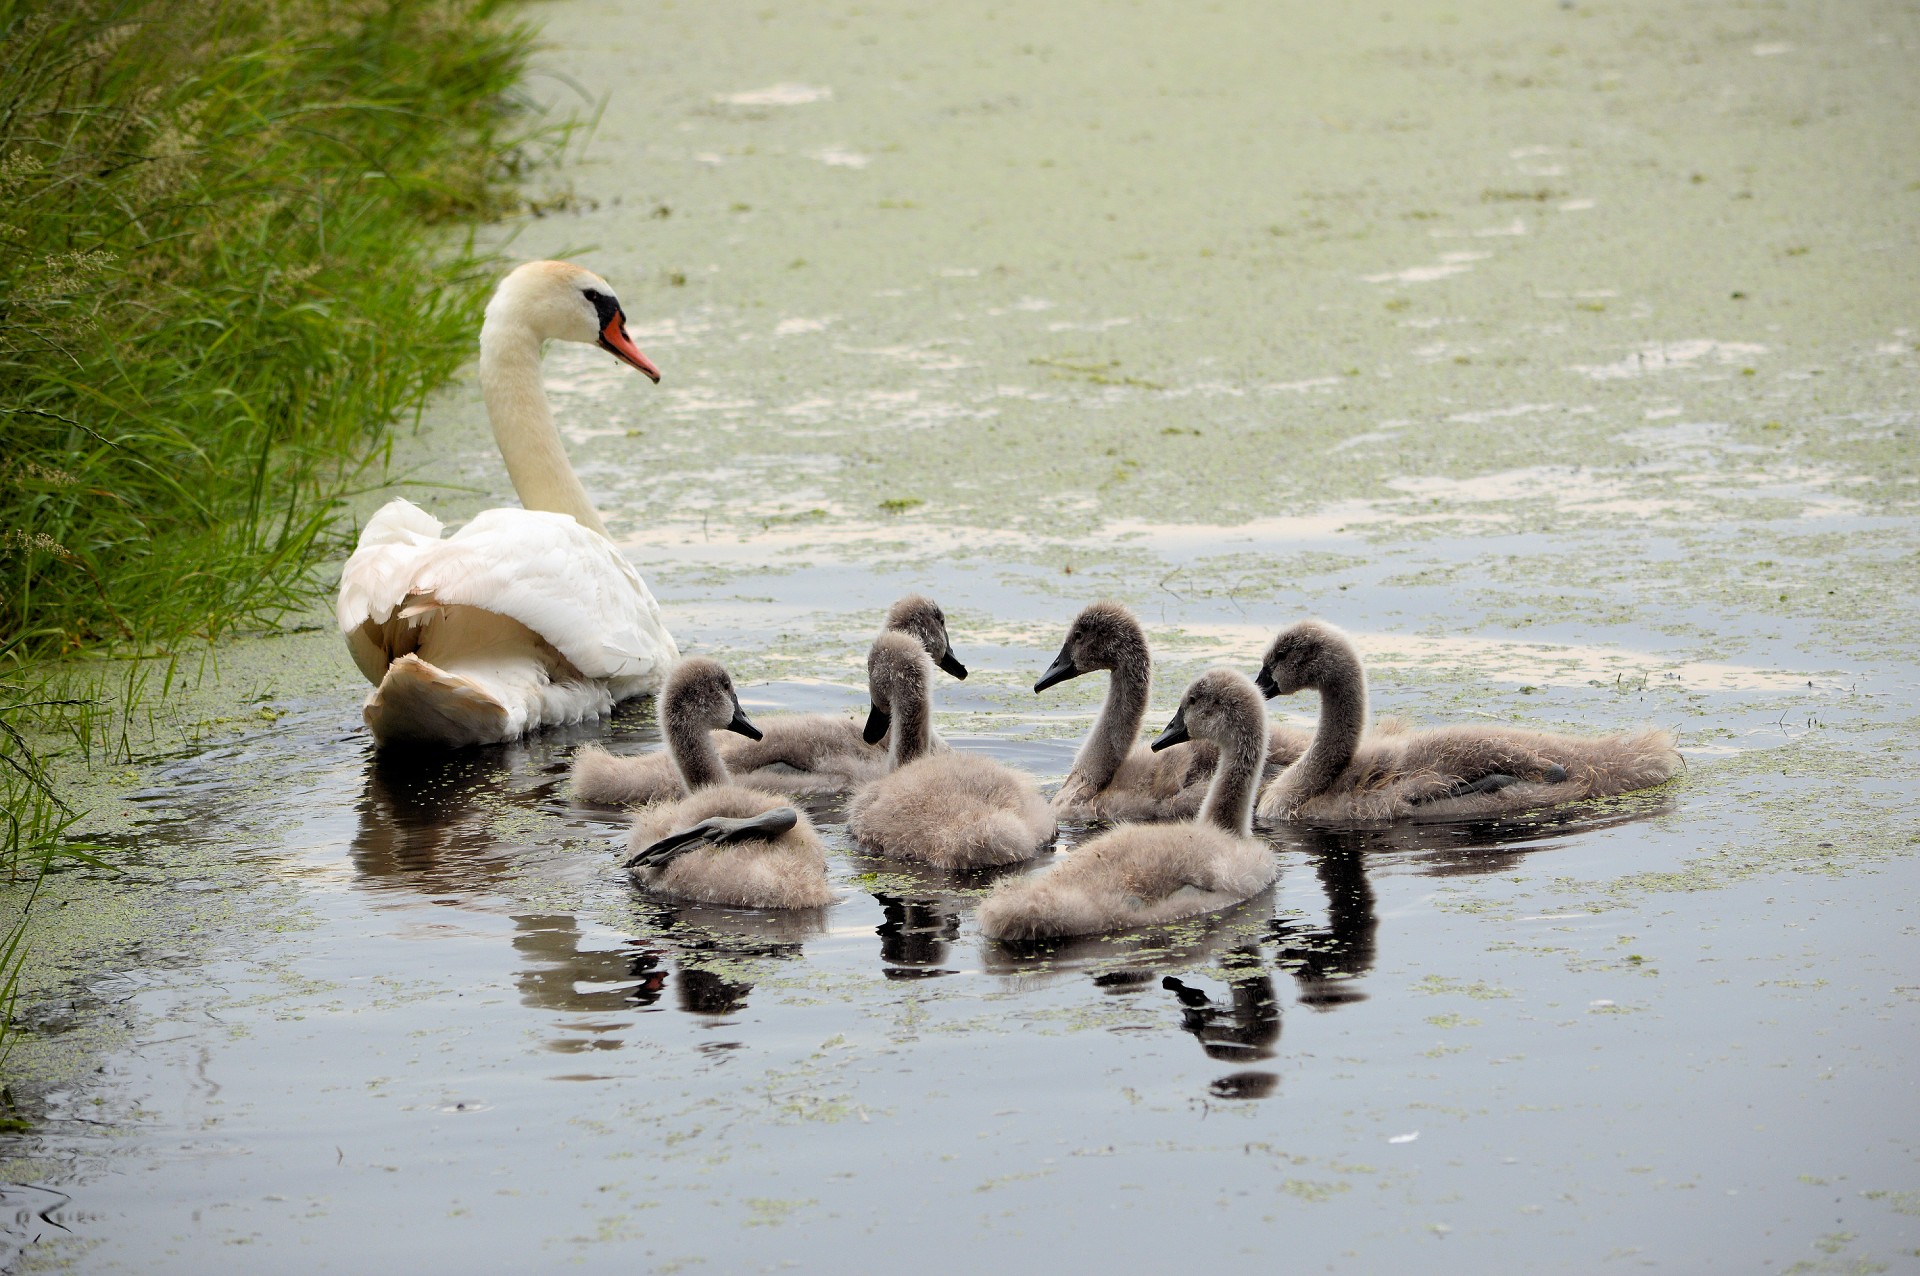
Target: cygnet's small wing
717	830
1492	783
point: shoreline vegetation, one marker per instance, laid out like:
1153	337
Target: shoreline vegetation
225	273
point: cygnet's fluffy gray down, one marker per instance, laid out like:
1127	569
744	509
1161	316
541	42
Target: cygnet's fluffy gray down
785	871
1146	874
1133	875
1170	786
950	810
1115	776
1452	773
798	753
788	872
953	810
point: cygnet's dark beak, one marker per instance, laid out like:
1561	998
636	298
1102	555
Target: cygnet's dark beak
950	664
1059	671
878	720
615	341
741	723
1264	680
1176	733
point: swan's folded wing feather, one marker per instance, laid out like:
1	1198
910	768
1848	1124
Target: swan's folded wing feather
379	575
564	582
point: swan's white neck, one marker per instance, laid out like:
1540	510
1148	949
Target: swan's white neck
523	424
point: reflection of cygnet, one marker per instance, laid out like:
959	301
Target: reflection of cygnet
1115	776
950	810
1450	773
795	753
1145	874
916	935
723	843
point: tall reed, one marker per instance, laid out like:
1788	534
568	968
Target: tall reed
215	292
219	287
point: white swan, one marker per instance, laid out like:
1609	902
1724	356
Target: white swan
524	618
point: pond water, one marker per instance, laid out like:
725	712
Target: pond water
1563	354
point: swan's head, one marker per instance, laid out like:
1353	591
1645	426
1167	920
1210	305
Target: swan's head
1222	706
560	301
898	673
1309	654
699	694
1103	636
920	616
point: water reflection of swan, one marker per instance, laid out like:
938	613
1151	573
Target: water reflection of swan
430	826
1328	961
1244	1029
615	979
428	821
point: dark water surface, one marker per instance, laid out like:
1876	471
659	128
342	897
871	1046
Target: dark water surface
1563	354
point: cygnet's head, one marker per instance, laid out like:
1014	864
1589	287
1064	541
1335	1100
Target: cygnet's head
560	301
1103	634
700	694
1221	706
920	616
898	672
1309	654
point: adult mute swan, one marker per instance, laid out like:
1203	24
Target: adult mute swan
524	618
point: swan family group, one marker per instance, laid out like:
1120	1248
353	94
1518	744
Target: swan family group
531	617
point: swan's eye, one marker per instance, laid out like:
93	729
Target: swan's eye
605	308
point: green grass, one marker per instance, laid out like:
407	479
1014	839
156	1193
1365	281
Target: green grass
32	839
216	289
221	284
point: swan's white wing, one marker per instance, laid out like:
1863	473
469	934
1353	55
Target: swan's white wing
567	584
380	573
377	579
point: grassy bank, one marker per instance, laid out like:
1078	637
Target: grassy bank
215	292
220	283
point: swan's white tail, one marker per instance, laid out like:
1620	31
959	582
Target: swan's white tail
421	701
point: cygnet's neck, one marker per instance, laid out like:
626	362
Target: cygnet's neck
912	713
694	754
523	424
1229	801
1343	720
1117	729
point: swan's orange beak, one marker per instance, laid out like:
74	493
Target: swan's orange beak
615	341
